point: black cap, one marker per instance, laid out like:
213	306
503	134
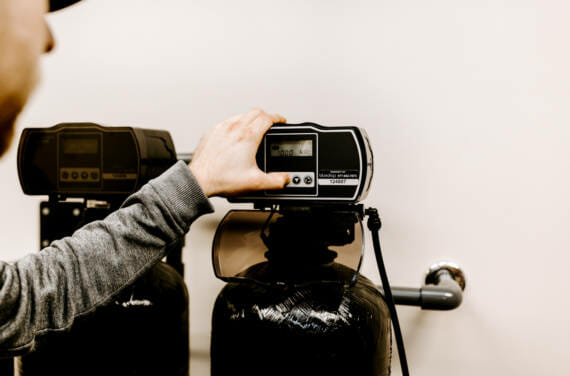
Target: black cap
59	4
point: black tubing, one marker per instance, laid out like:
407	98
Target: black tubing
374	225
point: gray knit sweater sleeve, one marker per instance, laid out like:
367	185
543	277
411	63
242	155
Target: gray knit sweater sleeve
46	291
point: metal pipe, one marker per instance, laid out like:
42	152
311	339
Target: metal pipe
443	289
405	295
186	157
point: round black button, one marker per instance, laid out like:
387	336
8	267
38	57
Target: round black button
65	175
84	175
74	175
308	180
94	176
296	180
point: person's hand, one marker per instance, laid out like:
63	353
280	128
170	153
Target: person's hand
224	163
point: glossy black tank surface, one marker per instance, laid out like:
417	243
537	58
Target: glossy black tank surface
313	329
143	332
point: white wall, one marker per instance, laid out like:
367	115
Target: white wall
466	103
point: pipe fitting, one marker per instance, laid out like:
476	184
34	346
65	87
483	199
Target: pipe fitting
442	291
444	285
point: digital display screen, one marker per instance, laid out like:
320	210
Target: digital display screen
292	148
81	146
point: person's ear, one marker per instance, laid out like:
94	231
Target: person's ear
49	39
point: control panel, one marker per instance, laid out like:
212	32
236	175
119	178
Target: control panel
90	160
332	164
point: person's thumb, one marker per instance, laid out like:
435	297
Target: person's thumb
275	180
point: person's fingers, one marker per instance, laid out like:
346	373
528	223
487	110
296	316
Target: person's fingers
257	117
234	121
248	118
277	118
275	180
262	124
226	156
273	119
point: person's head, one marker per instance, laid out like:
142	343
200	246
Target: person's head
24	37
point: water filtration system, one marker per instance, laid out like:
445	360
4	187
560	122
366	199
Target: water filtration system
295	301
87	171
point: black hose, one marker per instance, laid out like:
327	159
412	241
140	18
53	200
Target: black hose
374	225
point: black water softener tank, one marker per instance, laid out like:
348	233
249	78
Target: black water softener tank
299	311
142	332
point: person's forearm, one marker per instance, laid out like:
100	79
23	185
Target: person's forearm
48	290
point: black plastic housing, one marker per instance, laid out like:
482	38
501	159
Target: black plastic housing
332	165
88	160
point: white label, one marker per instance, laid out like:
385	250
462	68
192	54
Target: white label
338	181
